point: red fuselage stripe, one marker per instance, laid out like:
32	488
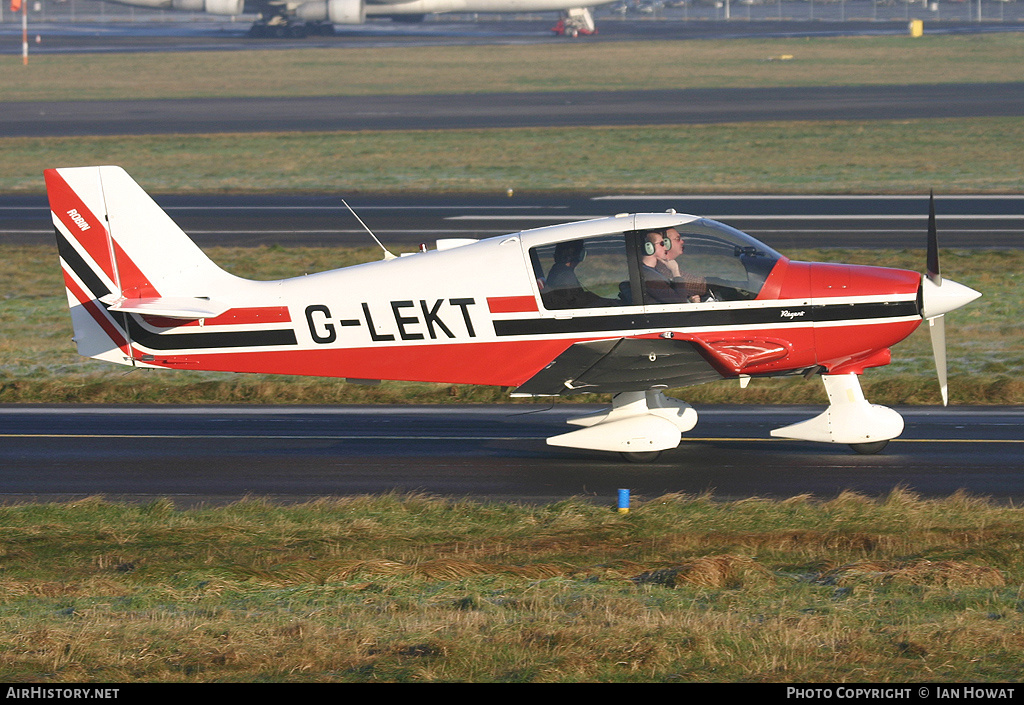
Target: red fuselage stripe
511	304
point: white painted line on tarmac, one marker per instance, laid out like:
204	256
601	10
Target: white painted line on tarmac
548	218
406	437
796	197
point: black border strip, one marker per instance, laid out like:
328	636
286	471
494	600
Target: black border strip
214	339
693	319
93	284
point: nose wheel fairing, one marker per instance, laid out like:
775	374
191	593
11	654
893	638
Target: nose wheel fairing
849	418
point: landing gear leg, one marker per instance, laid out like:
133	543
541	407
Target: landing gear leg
574	22
280	26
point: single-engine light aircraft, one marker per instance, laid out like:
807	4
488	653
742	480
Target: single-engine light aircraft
630	305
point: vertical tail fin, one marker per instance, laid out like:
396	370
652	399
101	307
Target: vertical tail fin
121	253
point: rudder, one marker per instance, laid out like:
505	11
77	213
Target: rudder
121	253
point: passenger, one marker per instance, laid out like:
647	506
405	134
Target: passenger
562	288
562	274
660	286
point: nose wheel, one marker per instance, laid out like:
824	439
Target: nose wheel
869	448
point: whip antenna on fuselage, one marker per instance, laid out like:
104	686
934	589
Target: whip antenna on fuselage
387	253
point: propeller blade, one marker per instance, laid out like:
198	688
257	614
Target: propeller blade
933	244
937	331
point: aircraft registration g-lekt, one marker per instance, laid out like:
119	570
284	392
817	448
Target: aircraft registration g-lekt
632	305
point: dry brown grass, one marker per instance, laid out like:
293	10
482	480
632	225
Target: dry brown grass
405	589
724	571
952	574
323	572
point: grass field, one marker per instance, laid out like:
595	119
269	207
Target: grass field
980	58
681	589
912	156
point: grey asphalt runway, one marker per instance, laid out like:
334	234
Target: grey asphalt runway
507	110
218	455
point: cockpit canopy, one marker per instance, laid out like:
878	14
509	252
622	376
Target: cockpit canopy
717	263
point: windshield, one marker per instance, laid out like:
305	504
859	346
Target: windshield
733	264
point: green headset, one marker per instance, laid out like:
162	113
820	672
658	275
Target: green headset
649	246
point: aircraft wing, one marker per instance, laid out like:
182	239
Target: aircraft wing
622	365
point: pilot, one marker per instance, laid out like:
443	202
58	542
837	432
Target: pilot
696	286
663	283
562	288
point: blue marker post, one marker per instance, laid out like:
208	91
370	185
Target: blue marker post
623	501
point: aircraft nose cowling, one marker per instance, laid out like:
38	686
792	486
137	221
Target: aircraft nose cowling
938	299
831	280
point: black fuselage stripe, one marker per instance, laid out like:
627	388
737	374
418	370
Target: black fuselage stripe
827	313
211	339
178	341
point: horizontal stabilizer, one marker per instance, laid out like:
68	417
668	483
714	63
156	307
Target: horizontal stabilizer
183	307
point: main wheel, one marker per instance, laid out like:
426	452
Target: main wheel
641	456
869	448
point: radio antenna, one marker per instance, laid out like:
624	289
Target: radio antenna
387	254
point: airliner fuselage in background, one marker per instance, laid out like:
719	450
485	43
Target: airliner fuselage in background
300	17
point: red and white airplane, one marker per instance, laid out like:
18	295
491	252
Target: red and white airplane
632	305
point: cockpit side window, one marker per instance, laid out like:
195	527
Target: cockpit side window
585	273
